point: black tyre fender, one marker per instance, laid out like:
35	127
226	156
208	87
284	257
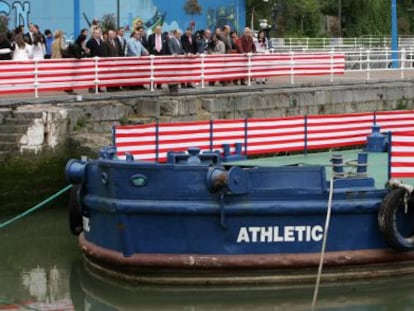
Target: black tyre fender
75	211
387	220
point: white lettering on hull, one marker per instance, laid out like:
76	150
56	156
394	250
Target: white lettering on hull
274	234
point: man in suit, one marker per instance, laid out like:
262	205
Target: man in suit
174	44
96	48
157	44
176	48
112	49
122	43
189	43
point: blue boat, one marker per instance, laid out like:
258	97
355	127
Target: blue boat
198	220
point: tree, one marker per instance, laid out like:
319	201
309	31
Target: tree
192	7
108	22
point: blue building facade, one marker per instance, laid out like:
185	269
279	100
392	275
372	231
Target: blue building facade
73	15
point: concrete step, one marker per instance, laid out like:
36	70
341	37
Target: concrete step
10	137
27	115
8	147
16	129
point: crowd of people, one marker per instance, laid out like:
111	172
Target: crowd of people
20	45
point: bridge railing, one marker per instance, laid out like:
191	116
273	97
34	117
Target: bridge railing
338	43
362	64
70	74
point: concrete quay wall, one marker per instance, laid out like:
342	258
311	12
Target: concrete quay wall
34	126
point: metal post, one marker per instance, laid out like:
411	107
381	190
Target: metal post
96	81
118	13
211	134
246	134
76	17
152	69
332	65
340	17
292	68
403	58
36	78
368	66
157	140
394	31
202	76
389	154
249	69
305	134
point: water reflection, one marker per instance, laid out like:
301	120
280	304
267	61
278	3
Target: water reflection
91	292
41	268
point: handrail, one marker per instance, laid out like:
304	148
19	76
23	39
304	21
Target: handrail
361	64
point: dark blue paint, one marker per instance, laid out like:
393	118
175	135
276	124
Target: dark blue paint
186	208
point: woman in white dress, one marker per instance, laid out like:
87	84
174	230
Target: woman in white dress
39	47
262	47
22	50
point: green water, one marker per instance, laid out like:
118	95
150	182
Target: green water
41	269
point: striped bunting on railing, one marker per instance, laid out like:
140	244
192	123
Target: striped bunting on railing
402	155
151	142
395	121
64	74
336	130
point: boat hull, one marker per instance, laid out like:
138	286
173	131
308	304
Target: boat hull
194	269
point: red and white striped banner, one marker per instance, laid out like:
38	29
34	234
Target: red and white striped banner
259	136
63	74
335	130
275	135
402	155
395	121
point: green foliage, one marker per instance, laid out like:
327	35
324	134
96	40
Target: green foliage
192	7
108	22
304	18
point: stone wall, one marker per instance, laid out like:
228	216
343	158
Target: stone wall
33	127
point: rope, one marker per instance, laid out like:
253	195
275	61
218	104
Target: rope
325	238
35	208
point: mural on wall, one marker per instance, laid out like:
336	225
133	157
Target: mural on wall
18	12
60	14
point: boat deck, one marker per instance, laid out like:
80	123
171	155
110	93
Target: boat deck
377	163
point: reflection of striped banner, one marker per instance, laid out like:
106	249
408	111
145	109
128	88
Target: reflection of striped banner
402	155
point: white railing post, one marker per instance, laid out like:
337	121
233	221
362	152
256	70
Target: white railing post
202	76
355	42
386	57
410	64
290	44
332	65
292	67
368	66
323	42
152	71
307	42
249	69
96	80
360	58
36	78
402	61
